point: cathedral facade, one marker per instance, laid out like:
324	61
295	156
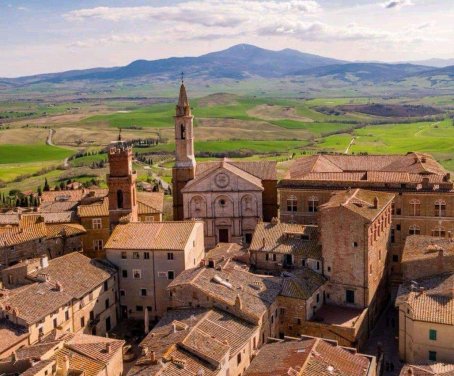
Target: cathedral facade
230	197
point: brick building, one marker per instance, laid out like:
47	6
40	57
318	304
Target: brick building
33	237
100	210
230	197
71	293
149	256
423	202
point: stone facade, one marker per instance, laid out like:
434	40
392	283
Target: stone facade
149	256
231	197
423	202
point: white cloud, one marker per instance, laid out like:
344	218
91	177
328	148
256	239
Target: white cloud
397	4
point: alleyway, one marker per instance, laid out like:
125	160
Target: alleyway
385	333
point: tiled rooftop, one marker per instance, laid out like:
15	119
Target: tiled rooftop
429	299
200	338
76	274
421	247
286	238
263	170
433	369
256	292
307	357
301	283
360	201
151	235
11	334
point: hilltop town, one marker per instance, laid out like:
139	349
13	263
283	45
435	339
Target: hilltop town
343	267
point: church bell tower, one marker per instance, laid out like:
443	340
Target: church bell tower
121	181
184	169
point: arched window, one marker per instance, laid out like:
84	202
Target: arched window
439	232
415	206
440	208
414	230
120	199
292	204
312	204
183	131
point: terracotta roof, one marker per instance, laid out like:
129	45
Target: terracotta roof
9	219
10	334
37	367
35	351
67	230
256	292
152	235
78	362
309	356
57	206
301	283
263	170
434	303
98	208
417	163
201	338
76	274
360	201
421	247
62	217
295	239
439	369
72	195
19	235
150	202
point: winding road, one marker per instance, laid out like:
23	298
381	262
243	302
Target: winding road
50	143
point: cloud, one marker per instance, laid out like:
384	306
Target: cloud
210	13
397	4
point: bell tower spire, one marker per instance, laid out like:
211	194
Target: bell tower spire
184	169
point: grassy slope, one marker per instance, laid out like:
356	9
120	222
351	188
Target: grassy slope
31	153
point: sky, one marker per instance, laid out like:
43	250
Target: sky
42	36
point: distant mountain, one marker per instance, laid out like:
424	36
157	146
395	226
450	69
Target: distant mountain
238	62
437	63
373	72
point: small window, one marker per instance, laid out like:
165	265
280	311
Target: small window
146	255
267	256
303	262
329	268
149	308
169	255
143	292
135	255
433	356
292	204
137	273
98	244
170	274
106	287
355	244
124	273
82	322
96	223
124	255
107	304
432	334
139	308
55	323
318	265
395	258
318	297
122	293
274	257
66	315
398	227
350	296
238	358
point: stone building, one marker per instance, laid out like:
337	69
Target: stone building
423	202
197	341
149	256
33	237
231	287
425	256
71	293
310	356
64	353
426	319
231	197
100	210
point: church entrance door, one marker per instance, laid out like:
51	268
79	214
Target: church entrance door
223	235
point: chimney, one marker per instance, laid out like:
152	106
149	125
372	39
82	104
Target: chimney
44	262
108	347
410	371
65	366
153	359
174	327
376	202
263	243
238	303
58	286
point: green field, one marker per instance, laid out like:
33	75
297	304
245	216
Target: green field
32	153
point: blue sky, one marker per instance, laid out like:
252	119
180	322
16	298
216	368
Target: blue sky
55	35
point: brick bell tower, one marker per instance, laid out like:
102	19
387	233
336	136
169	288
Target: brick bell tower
183	170
122	183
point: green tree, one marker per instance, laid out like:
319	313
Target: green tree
46	185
